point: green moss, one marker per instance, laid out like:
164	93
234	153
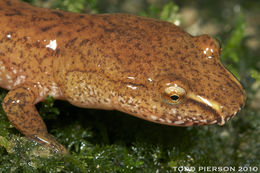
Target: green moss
233	49
168	12
75	5
255	74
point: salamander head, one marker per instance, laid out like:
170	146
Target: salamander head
191	87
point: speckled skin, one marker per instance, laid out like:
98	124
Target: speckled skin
109	61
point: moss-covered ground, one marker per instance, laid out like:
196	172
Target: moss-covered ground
110	141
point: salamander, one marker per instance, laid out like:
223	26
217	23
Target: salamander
144	67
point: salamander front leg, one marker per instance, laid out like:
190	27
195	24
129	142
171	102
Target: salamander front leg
19	106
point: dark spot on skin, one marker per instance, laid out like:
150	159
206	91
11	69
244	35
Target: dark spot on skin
57	13
91	23
166	55
82	28
33	18
25	38
192	111
37	44
89	52
137	46
10	14
111	23
163	116
148	54
39	19
8	3
229	84
81	16
59	33
57	52
71	42
28	45
109	29
44	29
68	23
14	13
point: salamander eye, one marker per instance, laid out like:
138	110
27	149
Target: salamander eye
173	94
175	97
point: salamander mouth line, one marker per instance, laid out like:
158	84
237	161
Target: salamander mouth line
221	120
209	105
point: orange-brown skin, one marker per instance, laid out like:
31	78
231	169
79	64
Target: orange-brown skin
110	61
